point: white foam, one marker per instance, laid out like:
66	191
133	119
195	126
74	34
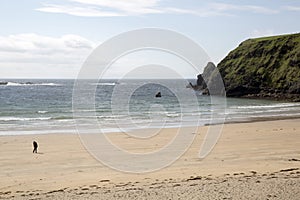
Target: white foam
281	105
173	115
109	84
23	119
31	84
42	111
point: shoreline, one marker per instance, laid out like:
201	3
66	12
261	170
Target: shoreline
74	131
246	153
258	119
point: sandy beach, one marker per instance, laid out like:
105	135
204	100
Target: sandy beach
257	160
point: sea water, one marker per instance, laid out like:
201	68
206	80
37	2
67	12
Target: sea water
46	106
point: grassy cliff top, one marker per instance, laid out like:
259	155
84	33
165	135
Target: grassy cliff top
264	64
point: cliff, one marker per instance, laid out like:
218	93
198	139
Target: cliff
266	67
210	81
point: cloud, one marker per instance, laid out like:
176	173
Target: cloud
104	8
292	8
225	8
78	11
109	8
33	45
20	53
222	9
127	7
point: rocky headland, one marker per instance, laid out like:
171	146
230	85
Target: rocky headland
266	67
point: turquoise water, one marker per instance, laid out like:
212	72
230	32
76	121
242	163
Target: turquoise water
45	106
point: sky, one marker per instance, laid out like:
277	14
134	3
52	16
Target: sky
53	38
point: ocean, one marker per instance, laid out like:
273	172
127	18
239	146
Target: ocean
45	106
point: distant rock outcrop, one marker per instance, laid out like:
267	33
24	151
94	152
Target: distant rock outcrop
266	67
210	81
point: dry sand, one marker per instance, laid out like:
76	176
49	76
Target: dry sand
258	160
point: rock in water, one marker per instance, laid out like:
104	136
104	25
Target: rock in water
3	83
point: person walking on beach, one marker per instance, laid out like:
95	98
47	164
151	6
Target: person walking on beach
35	146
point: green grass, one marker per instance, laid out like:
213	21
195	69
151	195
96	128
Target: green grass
268	62
272	37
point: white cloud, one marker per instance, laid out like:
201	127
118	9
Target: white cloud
223	8
104	8
128	6
110	8
27	52
37	45
37	56
78	11
292	8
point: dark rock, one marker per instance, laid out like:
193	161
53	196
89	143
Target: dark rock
210	81
158	94
201	82
3	83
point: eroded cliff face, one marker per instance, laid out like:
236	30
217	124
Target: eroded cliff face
262	68
210	81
